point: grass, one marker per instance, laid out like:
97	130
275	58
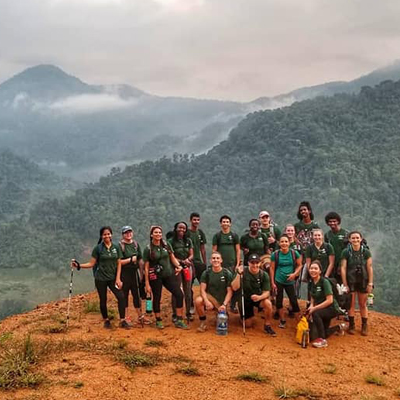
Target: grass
16	365
54	329
78	385
374	380
252	377
284	392
120	344
188	370
178	359
91	307
4	337
154	343
133	359
329	369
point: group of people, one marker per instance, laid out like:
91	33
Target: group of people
247	274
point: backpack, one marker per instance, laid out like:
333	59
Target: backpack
293	253
122	244
219	235
260	277
343	300
99	247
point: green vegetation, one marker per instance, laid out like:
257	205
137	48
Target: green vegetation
252	377
330	369
78	385
133	359
374	380
284	392
154	343
341	153
91	307
188	370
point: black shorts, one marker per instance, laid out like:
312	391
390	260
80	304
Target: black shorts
248	308
360	287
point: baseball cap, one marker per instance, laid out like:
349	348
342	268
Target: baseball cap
126	228
254	257
263	213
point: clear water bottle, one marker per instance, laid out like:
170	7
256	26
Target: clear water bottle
305	338
370	300
149	304
222	323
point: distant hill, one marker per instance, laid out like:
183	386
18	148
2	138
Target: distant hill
78	129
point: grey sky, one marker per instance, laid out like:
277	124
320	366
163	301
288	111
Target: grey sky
224	49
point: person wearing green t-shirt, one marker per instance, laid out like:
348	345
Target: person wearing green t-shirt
215	290
357	276
321	251
256	290
182	248
199	241
227	244
270	229
253	242
107	258
131	272
323	307
338	238
284	269
157	257
305	225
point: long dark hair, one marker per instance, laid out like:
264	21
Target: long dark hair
305	204
102	229
175	232
163	244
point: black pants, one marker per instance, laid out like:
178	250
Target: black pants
199	269
101	287
291	293
171	285
321	321
130	280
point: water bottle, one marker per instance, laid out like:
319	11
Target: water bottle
370	300
305	338
222	323
186	274
149	304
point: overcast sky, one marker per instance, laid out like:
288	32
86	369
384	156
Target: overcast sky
223	49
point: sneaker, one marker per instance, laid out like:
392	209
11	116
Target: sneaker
174	318
125	325
364	330
159	325
320	343
202	327
269	331
107	324
143	319
180	324
282	324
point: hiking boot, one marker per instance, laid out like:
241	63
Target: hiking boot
180	324
282	324
159	325
107	324
320	343
125	325
364	330
351	330
269	331
202	327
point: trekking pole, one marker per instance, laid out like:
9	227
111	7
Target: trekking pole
70	291
190	295
243	314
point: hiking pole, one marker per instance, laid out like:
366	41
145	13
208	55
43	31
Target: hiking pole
70	290
243	314
190	295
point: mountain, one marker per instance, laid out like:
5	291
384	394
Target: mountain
41	359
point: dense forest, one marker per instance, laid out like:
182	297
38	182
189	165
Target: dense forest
340	153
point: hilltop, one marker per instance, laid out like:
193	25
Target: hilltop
88	362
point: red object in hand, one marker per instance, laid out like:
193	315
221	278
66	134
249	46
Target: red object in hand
186	274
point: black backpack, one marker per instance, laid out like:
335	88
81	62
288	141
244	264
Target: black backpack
343	300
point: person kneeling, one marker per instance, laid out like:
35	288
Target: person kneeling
323	307
215	290
256	290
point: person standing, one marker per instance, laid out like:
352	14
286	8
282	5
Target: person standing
338	238
256	290
253	242
227	244
199	241
305	225
107	259
270	229
321	251
357	276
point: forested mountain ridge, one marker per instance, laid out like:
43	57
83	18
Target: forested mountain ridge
341	153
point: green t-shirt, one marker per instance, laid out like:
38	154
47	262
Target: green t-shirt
217	283
181	247
160	256
320	290
304	232
255	284
198	238
256	245
286	266
356	265
322	254
339	241
129	250
226	245
275	232
106	261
